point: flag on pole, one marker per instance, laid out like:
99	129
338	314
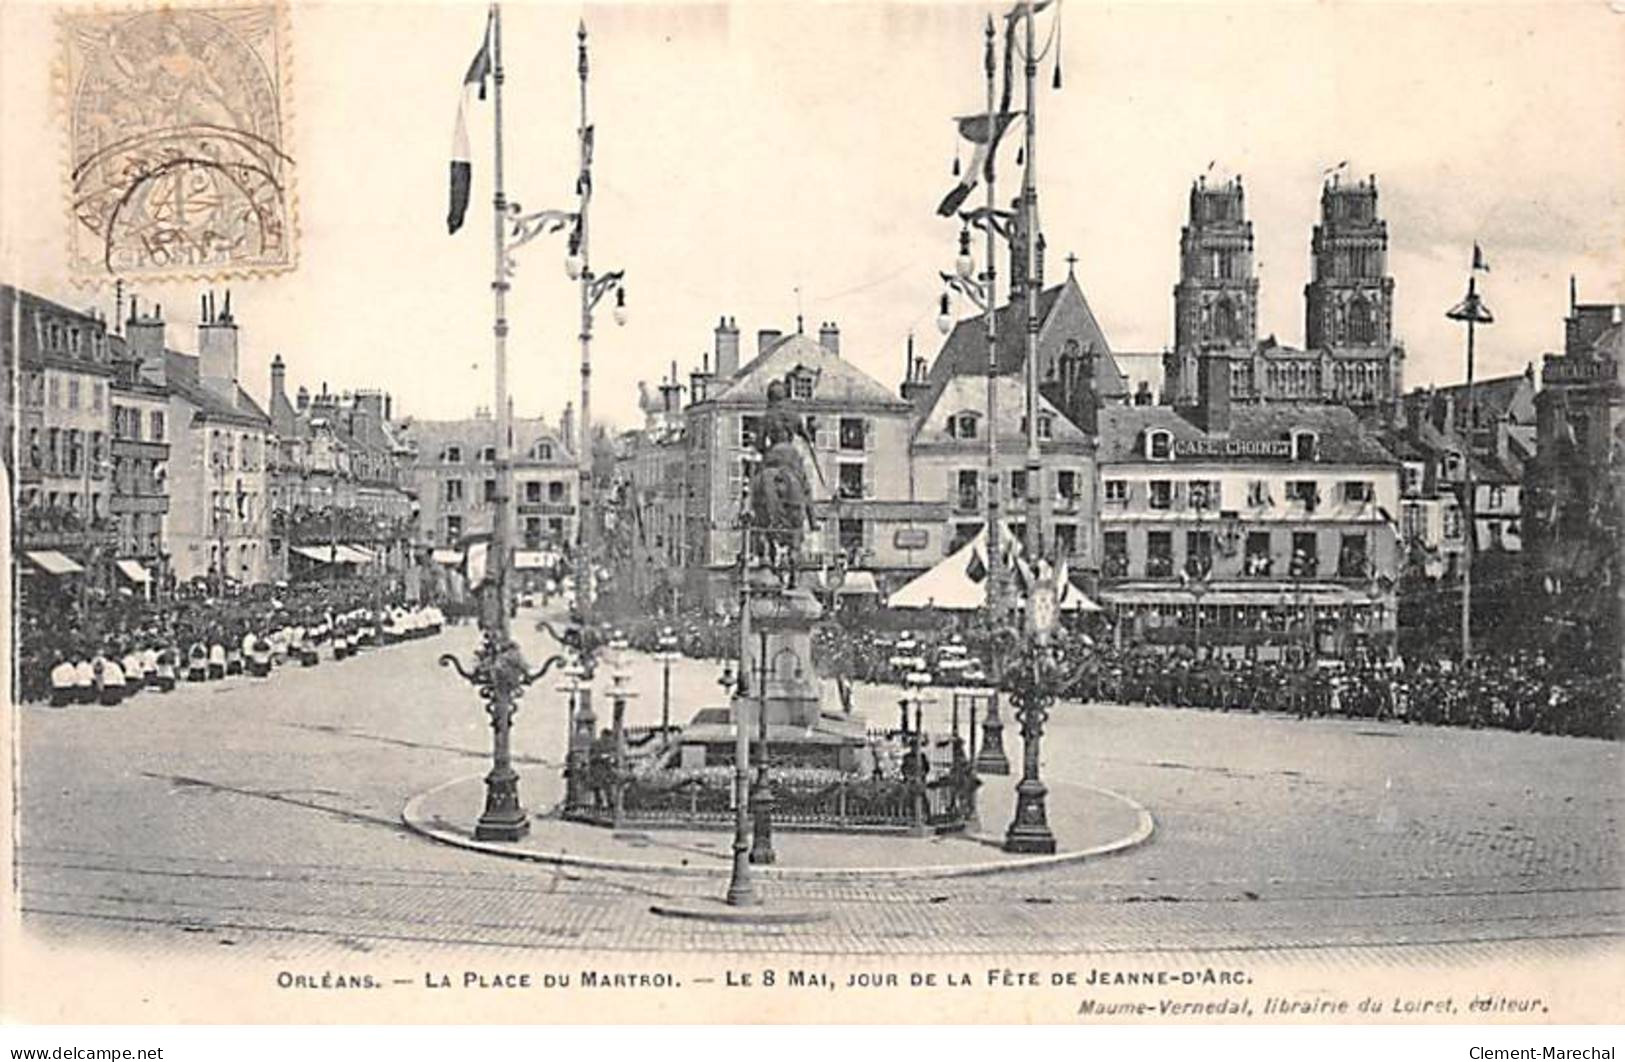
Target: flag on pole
985	135
461	166
1479	263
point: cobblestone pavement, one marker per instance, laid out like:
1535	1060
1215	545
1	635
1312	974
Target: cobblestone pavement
265	814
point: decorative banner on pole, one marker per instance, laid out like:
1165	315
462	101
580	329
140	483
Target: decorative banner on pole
461	165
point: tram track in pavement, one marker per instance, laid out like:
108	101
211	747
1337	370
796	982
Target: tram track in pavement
1506	935
555	911
1013	888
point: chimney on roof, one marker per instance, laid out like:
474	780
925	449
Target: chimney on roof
567	427
915	385
279	379
699	381
727	347
217	351
829	337
765	339
302	401
144	337
374	404
671	396
1441	412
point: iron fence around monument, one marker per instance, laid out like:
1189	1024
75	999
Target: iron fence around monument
846	805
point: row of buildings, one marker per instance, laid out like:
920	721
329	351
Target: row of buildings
1264	495
137	465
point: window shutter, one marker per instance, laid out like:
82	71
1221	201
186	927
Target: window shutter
868	434
868	479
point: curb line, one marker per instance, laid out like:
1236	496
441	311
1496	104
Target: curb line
1145	826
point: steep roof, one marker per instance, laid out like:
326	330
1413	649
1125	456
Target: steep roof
1341	439
430	437
31	308
1063	314
181	373
1511	397
968	394
839	381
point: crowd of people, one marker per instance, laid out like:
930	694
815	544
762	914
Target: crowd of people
1518	690
109	649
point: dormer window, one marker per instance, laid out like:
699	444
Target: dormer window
1046	426
1452	465
801	386
1305	446
1159	445
542	451
962	425
452	455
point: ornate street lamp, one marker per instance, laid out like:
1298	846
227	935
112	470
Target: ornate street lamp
741	891
1034	679
667	656
917	680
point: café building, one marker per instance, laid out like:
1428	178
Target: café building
1259	531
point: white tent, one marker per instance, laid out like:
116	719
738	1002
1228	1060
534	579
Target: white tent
949	585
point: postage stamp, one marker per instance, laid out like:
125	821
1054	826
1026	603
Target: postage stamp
178	142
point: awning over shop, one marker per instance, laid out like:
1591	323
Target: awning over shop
52	562
133	571
525	559
858	583
447	556
326	554
359	554
1266	596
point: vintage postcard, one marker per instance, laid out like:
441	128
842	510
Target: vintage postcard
1041	512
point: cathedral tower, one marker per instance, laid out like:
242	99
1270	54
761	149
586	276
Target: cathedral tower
1349	302
1216	299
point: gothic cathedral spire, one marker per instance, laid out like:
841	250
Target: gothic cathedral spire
1216	299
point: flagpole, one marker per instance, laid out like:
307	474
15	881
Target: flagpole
991	758
585	533
993	586
1471	311
1472	523
503	819
585	537
1029	209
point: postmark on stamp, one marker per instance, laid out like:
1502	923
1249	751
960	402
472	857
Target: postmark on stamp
178	142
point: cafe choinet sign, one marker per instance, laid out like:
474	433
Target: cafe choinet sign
1273	448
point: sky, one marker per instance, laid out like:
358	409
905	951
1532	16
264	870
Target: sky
753	158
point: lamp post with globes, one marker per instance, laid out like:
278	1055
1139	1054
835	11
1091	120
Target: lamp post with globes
594	289
667	656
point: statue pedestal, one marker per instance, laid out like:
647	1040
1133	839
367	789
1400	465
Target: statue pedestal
777	657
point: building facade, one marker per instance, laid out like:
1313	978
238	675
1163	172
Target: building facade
1572	522
450	471
140	469
1078	376
219	514
1259	530
59	428
336	478
872	516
